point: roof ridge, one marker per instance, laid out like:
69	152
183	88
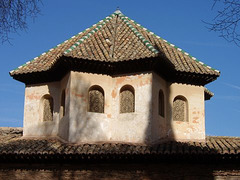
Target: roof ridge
115	26
98	25
147	43
185	53
140	33
45	52
172	45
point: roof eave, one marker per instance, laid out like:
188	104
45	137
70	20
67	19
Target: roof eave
159	64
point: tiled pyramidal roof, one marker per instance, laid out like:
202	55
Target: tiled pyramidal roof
113	39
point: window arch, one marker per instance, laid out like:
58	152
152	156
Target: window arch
161	104
62	107
96	99
180	109
47	108
127	99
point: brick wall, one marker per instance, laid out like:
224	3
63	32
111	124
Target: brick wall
120	171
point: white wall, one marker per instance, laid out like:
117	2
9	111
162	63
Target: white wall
144	125
159	123
194	128
33	121
111	125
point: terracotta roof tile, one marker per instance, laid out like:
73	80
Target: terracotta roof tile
113	39
16	145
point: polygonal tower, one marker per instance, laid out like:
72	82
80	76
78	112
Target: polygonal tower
115	82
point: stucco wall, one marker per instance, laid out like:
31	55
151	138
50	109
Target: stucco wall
194	128
111	125
33	120
165	127
144	125
159	123
63	125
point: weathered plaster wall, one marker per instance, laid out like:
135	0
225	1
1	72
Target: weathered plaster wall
159	123
143	125
194	128
63	126
111	125
165	127
33	121
136	127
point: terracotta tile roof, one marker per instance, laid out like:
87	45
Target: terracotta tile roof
113	39
14	147
208	94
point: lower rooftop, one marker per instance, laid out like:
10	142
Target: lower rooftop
15	148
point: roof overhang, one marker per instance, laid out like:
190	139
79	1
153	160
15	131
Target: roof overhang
158	64
208	94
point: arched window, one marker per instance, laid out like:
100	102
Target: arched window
47	108
161	103
180	109
127	99
62	107
96	99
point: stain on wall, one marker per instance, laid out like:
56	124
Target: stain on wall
144	125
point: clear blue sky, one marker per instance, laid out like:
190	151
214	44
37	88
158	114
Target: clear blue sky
179	22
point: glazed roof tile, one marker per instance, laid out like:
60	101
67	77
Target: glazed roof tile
113	39
12	145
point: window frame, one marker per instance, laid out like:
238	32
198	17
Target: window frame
42	108
130	88
100	89
184	99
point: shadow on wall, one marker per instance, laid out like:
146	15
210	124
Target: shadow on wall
79	125
169	120
134	123
87	126
148	129
64	108
48	126
43	118
84	126
160	125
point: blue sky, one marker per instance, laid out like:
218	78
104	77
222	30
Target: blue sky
179	22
